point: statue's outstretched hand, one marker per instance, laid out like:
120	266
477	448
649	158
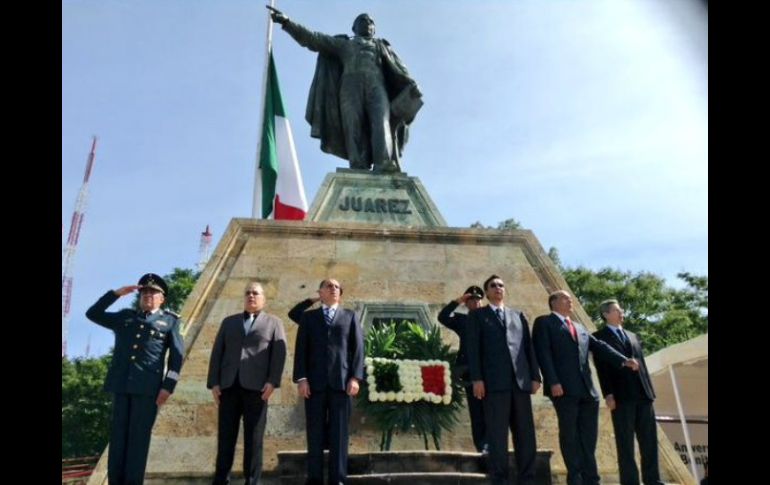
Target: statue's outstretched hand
277	16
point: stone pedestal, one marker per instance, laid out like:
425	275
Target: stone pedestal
361	196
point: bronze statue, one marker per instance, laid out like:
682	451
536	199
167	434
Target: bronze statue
362	98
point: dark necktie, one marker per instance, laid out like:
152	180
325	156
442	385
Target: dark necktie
328	315
500	316
626	342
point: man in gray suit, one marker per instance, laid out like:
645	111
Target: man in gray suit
505	373
245	367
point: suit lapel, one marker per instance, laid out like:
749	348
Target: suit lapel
562	327
239	323
582	340
513	319
633	343
258	321
612	338
320	317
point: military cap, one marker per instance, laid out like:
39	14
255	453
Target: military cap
151	280
475	292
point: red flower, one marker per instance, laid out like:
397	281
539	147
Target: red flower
433	379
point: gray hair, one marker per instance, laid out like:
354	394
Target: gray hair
604	307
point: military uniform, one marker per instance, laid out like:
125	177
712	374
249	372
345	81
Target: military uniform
135	378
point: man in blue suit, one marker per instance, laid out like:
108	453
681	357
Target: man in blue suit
562	347
505	374
328	365
136	376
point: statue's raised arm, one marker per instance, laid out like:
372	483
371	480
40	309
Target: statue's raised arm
362	98
277	16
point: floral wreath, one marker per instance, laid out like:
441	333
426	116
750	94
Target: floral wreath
409	386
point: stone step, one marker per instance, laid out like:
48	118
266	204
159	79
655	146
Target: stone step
411	467
402	479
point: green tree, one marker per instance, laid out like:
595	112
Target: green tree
180	284
85	407
659	314
505	225
509	224
553	253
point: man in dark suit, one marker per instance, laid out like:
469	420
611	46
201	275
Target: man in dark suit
629	396
245	368
458	322
328	365
142	341
504	372
562	347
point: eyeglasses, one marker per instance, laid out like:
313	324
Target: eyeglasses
496	285
255	293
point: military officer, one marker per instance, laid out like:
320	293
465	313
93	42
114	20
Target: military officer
135	377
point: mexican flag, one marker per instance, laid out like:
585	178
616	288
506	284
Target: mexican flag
278	175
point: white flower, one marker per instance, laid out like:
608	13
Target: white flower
368	361
370	369
400	397
408	397
447	398
390	396
436	399
373	396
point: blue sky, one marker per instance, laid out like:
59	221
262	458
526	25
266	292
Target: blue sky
586	120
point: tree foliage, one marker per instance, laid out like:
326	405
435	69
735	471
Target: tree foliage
659	314
85	407
505	225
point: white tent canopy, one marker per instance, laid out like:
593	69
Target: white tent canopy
680	376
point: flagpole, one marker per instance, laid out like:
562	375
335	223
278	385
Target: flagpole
256	211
